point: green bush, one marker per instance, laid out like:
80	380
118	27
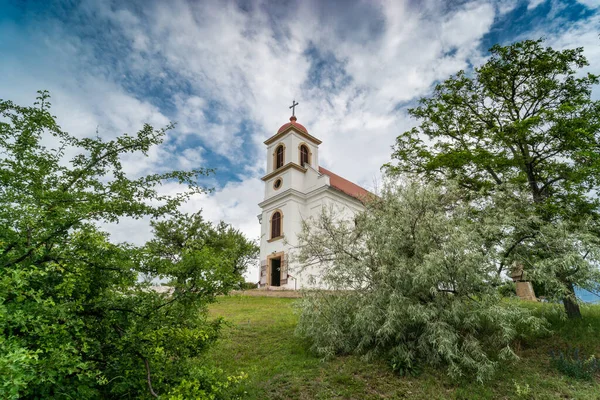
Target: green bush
574	364
423	283
79	318
249	285
508	289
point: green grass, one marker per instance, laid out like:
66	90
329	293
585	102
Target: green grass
260	341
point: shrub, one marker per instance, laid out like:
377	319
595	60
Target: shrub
507	289
522	391
413	282
78	316
249	285
574	364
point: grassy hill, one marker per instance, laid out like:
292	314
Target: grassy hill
260	341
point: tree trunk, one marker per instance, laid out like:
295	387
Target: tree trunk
570	303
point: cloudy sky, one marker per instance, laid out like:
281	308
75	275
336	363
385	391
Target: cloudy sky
226	73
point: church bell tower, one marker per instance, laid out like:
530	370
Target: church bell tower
292	168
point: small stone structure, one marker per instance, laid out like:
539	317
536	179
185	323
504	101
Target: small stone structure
524	287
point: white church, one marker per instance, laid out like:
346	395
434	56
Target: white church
296	189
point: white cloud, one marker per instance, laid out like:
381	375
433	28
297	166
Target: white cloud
86	103
237	204
230	75
190	158
590	3
247	65
238	60
532	4
580	34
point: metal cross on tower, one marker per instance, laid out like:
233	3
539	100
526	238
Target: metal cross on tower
293	107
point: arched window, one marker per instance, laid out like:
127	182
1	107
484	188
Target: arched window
304	155
276	225
279	156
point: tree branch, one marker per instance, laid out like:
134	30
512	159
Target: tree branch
510	250
149	378
494	175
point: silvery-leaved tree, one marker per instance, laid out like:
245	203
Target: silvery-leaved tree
526	119
78	318
412	280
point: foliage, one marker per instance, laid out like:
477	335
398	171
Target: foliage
78	317
423	282
249	285
524	119
185	241
572	363
554	254
209	384
507	289
523	392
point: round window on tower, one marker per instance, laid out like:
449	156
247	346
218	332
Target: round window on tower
277	183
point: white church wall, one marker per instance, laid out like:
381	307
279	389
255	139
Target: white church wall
302	181
287	154
313	180
268	245
295	210
336	202
286	179
271	155
297	180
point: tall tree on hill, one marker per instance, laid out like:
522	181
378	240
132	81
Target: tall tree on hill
525	120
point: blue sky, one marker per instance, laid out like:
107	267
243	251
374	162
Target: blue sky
226	72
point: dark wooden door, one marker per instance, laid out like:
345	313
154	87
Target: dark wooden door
275	271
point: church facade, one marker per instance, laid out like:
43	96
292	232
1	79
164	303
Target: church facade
297	189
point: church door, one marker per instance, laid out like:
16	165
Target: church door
275	271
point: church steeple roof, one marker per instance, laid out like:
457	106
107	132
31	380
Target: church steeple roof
295	126
293	123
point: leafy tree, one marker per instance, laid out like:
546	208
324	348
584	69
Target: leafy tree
78	318
424	285
523	119
178	240
548	249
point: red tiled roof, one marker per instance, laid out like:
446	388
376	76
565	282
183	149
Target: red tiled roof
344	185
294	124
